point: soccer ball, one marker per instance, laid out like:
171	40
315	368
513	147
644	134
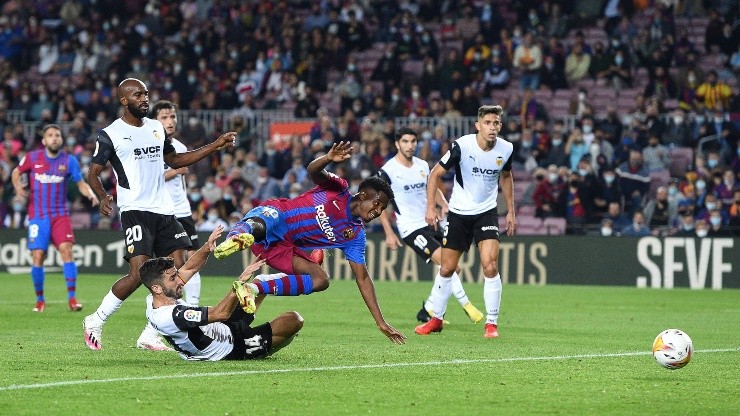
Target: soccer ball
672	349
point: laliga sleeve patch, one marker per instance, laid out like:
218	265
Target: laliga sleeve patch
192	315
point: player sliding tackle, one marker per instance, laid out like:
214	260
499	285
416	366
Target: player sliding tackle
327	216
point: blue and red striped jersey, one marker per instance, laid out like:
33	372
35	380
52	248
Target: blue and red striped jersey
47	180
321	218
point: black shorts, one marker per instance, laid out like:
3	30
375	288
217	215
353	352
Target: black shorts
424	241
189	225
461	230
249	342
152	235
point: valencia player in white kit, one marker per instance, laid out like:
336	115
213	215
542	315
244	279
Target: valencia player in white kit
408	175
137	149
481	162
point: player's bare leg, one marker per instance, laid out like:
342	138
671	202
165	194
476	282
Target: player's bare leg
450	259
122	289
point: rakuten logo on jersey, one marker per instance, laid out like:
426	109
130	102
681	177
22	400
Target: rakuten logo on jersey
419	185
323	220
484	171
45	178
147	152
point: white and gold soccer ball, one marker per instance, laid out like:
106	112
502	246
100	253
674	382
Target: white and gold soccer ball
672	349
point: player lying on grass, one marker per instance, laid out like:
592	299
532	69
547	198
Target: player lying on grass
221	332
327	216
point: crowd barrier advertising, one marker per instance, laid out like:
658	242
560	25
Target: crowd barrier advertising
697	263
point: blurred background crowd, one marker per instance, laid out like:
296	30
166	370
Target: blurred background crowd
624	114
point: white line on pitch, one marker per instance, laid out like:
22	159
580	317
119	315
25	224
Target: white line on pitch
337	368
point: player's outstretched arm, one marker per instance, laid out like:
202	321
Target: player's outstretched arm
199	258
339	152
93	179
507	185
177	160
367	290
435	177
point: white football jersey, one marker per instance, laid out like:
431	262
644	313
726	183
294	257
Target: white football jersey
137	157
176	186
186	328
409	186
477	172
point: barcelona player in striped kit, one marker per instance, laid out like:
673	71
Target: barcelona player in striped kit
48	215
327	216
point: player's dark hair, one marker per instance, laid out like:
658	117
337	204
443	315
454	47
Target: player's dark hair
162	105
405	130
377	184
490	109
52	126
152	270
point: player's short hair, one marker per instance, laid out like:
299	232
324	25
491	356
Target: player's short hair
152	270
162	105
377	184
405	130
484	110
52	126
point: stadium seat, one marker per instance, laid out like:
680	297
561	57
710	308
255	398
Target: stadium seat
526	210
554	225
681	161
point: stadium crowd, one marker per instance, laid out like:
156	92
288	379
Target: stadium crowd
624	122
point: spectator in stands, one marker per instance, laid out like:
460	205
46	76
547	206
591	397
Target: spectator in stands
607	191
701	228
619	71
725	189
576	148
713	92
396	104
476	54
661	85
729	42
712	204
734	211
556	155
552	75
546	195
588	187
266	186
211	221
467	26
416	105
679	131
717	227
573	204
656	155
579	105
577	64
525	152
600	61
634	180
615	214
607	228
638	228
556	23
528	60
661	212
496	76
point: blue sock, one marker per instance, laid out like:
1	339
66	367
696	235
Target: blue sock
70	276
290	285
37	276
240	227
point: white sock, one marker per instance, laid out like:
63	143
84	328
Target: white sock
492	296
458	290
268	277
192	290
441	295
107	307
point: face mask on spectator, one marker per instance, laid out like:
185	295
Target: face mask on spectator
636	225
552	177
212	217
609	178
195	196
606	231
526	144
702	233
582	172
712	163
619	59
677	119
557	142
587	129
71	141
672	191
711	206
17	206
700	184
715	220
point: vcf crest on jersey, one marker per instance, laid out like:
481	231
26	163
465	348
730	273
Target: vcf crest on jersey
499	161
156	135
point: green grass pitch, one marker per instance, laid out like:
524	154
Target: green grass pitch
563	350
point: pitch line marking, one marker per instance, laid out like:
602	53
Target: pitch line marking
339	368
